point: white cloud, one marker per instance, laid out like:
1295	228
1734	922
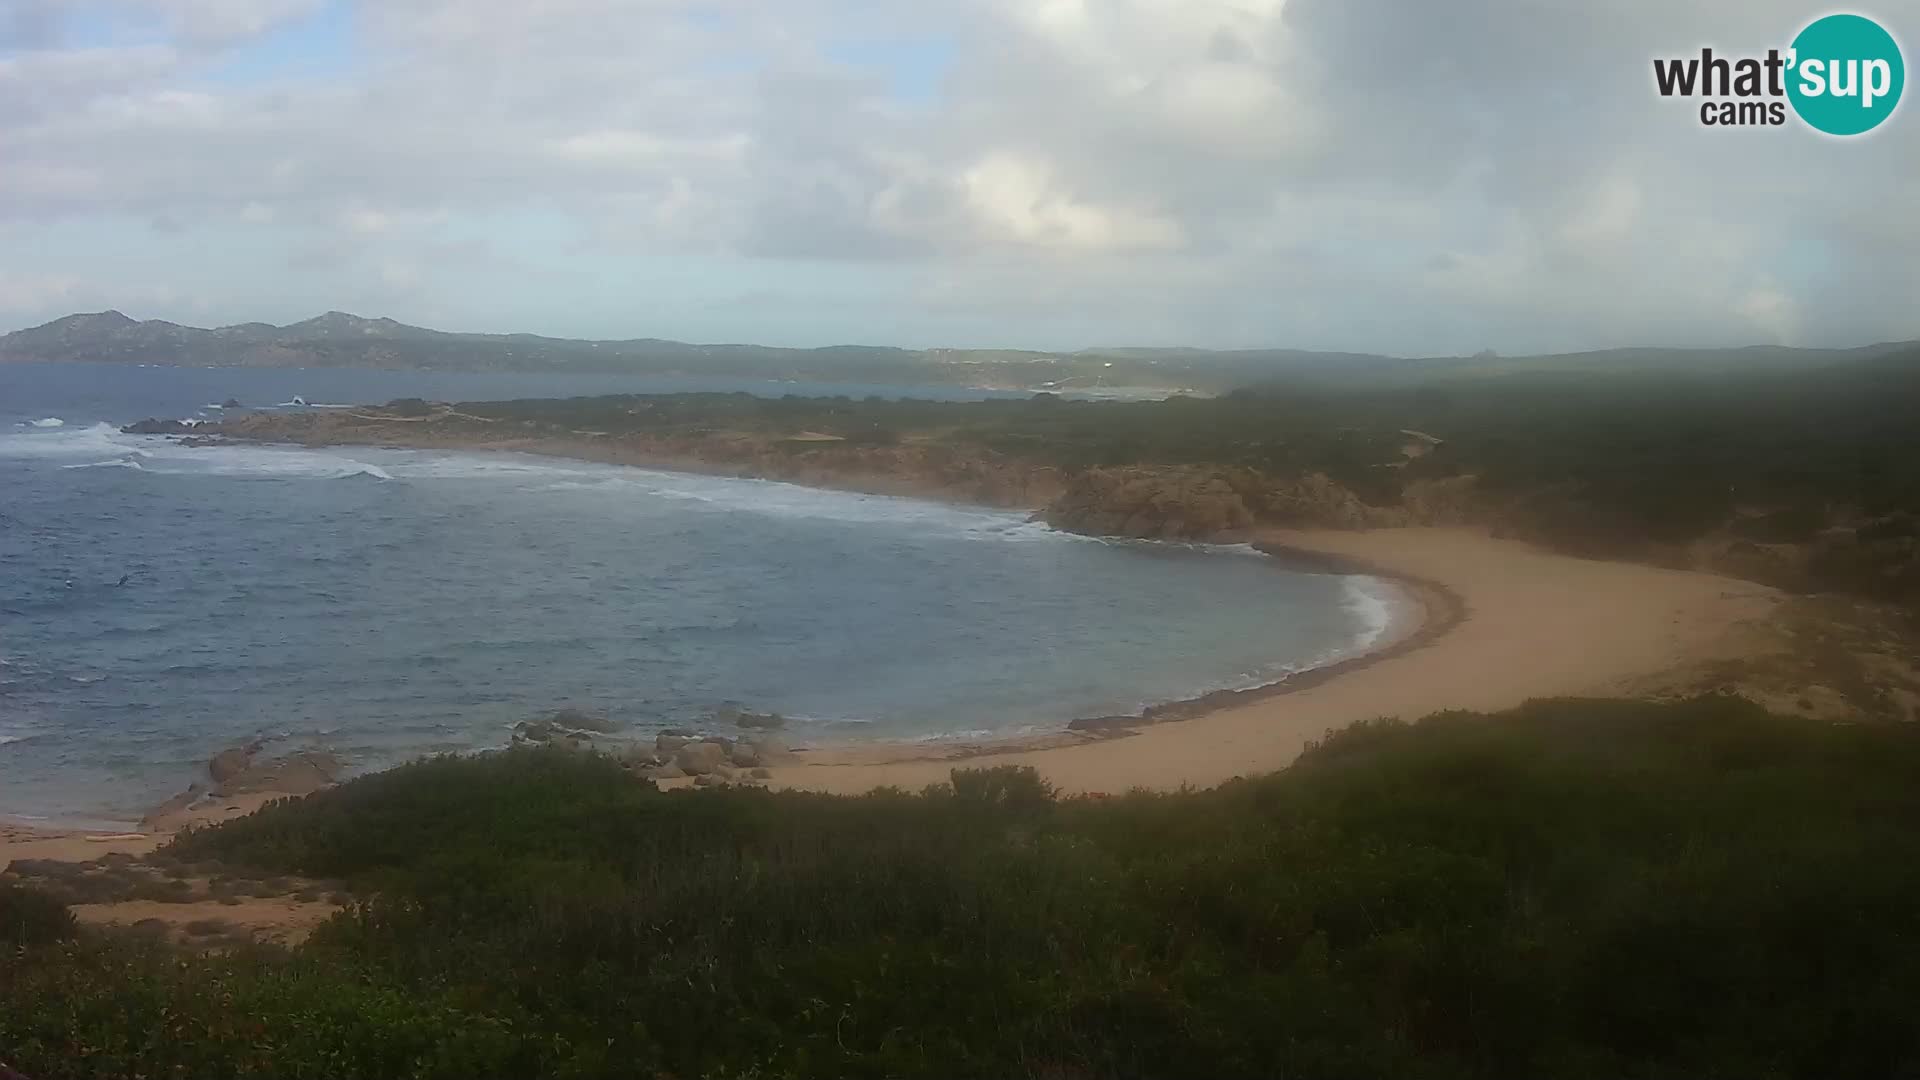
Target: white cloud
1020	198
1771	311
639	148
1377	174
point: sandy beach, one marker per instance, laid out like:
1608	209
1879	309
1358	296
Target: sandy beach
1531	624
1494	623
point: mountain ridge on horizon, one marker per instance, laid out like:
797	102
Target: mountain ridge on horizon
342	339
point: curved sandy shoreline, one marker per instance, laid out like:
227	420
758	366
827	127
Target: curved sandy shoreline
1518	623
1498	622
1425	611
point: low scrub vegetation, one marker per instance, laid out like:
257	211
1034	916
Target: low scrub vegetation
1627	465
1572	889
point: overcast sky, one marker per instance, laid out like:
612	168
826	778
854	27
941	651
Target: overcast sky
1401	176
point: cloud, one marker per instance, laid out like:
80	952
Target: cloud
1022	200
224	22
1371	174
33	292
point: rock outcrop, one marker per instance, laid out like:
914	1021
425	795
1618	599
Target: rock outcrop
239	770
232	761
1200	503
300	773
1151	502
562	727
701	758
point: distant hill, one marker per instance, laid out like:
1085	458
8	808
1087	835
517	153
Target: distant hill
338	339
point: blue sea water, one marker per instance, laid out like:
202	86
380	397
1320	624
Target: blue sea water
159	603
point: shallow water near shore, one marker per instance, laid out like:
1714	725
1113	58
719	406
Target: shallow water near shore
159	602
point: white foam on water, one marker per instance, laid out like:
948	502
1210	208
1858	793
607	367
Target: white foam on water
12	735
49	422
104	446
95	441
117	463
1375	603
767	498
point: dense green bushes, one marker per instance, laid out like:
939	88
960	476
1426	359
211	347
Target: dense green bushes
1575	889
1603	464
31	917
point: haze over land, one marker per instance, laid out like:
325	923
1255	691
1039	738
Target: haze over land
337	339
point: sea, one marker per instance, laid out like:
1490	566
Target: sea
159	603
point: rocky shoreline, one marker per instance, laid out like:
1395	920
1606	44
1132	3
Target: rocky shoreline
1188	504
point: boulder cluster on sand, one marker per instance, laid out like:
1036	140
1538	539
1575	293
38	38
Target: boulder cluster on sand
710	759
240	770
674	753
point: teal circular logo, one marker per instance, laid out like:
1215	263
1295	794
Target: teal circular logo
1846	74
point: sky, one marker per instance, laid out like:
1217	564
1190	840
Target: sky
1397	176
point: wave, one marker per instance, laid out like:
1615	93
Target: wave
107	447
93	441
1375	603
117	463
49	422
102	446
767	498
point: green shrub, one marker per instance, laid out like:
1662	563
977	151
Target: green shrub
30	916
1573	888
